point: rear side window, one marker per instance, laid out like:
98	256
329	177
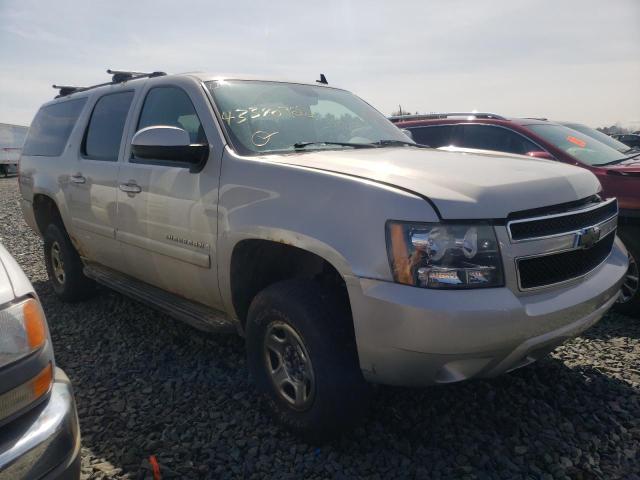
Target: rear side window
51	127
437	136
171	106
104	133
487	137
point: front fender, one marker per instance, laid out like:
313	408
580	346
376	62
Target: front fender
337	217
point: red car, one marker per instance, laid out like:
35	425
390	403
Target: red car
619	173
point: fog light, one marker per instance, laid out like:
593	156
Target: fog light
24	395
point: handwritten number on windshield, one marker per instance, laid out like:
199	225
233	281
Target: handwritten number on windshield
241	115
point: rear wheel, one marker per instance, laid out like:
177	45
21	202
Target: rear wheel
64	266
629	301
302	354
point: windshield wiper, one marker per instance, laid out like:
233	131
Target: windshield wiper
301	145
615	162
386	143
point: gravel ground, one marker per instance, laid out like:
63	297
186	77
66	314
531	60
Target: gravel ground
146	384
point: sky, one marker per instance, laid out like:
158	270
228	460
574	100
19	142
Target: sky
573	60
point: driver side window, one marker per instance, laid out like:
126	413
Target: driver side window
171	106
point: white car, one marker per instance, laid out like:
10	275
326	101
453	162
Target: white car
39	432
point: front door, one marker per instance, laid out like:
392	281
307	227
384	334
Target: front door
92	192
167	216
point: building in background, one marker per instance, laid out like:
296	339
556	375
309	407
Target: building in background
11	141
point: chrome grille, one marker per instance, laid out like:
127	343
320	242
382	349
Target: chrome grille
562	223
571	243
560	267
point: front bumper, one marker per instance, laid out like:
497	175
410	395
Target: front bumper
44	443
414	336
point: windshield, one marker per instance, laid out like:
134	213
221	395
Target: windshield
267	117
602	137
583	148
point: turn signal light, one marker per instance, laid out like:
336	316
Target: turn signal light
24	395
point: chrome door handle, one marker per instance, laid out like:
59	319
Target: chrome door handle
78	178
130	187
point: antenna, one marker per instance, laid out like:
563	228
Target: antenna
323	79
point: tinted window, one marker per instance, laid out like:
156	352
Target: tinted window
487	137
171	106
435	137
104	133
51	128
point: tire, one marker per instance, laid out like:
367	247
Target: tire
299	319
629	303
64	266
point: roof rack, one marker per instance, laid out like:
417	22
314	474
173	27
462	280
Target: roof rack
535	118
118	76
428	116
65	90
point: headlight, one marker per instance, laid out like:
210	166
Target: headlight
22	330
436	255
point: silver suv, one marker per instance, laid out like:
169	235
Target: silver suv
301	217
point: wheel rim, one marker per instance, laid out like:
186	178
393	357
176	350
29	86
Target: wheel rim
289	365
631	283
56	263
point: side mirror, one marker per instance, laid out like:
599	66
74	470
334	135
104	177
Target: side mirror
407	132
163	142
541	154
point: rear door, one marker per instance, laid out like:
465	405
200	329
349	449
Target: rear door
92	190
167	215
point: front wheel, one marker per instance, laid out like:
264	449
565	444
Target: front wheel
629	301
302	354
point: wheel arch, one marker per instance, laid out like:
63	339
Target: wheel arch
258	262
46	211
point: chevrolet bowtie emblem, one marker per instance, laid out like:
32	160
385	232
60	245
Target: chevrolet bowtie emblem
587	237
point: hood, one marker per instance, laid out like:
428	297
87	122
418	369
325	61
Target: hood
13	282
6	289
629	167
461	185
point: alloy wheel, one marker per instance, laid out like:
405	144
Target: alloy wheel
57	263
289	365
631	283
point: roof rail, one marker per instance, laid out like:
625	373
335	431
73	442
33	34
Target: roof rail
428	116
118	76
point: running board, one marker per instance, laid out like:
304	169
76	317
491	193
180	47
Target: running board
195	314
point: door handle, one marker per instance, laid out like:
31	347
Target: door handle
78	178
130	187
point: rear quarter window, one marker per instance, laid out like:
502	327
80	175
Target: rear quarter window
51	127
